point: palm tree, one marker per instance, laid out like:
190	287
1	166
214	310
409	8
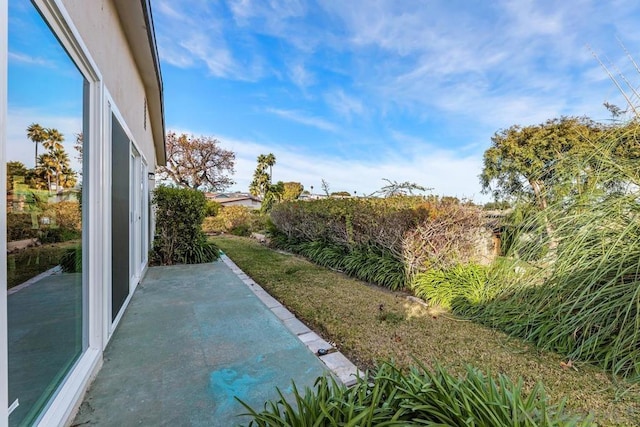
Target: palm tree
46	168
270	161
53	140
261	179
68	177
60	160
36	134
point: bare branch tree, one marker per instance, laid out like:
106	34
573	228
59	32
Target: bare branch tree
197	163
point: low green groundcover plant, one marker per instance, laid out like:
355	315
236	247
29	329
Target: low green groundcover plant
389	397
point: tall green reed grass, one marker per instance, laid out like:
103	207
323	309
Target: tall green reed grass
583	298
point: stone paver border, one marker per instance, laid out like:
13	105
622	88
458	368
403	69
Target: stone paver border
335	361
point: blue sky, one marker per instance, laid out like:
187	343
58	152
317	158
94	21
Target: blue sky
360	90
351	91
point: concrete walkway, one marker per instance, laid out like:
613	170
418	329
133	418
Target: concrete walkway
192	339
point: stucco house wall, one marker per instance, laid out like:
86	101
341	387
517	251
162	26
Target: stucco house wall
100	28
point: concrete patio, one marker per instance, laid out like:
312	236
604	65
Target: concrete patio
194	338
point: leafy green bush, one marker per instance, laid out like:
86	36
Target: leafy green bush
371	264
179	237
212	208
390	397
239	220
241	230
468	282
20	226
213	225
65	223
58	234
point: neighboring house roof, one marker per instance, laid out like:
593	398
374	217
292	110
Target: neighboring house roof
231	197
237	199
137	23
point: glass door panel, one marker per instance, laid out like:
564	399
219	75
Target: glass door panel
45	227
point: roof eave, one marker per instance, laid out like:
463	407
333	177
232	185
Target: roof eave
137	22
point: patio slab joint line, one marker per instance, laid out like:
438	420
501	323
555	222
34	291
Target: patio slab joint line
336	362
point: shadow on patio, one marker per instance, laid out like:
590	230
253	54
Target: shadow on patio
193	337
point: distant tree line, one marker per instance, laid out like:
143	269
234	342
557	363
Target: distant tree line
52	169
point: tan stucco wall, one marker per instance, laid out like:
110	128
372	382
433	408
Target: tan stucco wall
99	27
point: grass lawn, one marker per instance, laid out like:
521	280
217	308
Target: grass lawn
369	324
30	262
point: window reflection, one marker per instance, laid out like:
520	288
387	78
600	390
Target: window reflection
44	213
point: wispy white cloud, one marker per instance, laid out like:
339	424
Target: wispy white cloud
346	105
30	60
273	11
299	117
192	33
300	76
436	54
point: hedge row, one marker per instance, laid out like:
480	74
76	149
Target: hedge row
383	241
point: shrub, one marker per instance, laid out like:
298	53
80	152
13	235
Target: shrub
239	220
213	225
179	237
65	223
20	226
65	214
212	208
234	216
392	398
58	234
241	230
456	235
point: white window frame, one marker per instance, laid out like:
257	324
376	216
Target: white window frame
4	365
70	392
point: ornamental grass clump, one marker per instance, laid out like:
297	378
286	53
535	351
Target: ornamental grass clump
390	397
470	283
581	299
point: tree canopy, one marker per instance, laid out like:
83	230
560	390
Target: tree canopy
531	161
198	163
292	190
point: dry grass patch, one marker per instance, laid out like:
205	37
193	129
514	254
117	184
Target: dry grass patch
370	324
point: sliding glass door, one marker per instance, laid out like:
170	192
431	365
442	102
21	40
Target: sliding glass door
46	293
